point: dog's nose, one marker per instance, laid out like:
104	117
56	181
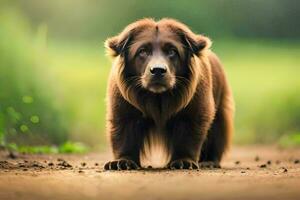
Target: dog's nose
158	70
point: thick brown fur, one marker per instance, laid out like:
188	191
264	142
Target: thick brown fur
192	119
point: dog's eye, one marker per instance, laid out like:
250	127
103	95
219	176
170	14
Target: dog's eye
143	53
171	53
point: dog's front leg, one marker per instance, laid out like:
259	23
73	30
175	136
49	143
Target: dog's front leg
187	137
126	137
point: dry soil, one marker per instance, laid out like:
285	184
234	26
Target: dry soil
257	172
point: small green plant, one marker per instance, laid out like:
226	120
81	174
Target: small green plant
67	147
72	147
290	140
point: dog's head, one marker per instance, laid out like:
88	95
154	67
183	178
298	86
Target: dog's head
156	56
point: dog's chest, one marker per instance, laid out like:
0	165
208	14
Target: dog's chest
155	152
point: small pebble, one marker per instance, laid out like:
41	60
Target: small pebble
297	161
269	162
263	166
256	158
12	155
237	162
64	164
284	170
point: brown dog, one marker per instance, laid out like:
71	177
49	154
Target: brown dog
169	103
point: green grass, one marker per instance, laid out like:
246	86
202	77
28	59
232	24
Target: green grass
67	147
291	140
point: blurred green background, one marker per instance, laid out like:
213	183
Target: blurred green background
53	68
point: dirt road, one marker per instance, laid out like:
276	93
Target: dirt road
247	173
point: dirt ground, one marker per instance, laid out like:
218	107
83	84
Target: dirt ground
255	172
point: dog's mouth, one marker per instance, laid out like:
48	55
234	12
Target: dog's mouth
158	85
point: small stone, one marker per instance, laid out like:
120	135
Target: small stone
256	158
269	162
284	170
64	164
297	161
263	166
12	155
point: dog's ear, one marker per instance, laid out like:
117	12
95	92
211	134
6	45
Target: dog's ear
196	43
193	42
116	45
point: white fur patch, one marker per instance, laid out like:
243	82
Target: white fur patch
155	152
158	89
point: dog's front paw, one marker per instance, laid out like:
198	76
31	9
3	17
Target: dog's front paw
209	165
183	164
121	164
